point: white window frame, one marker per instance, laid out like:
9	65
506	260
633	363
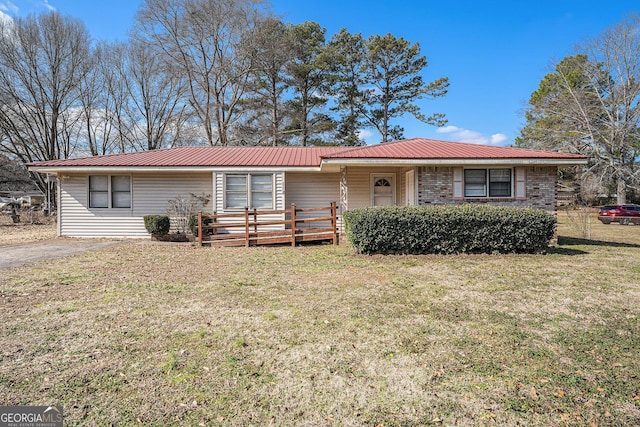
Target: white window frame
487	183
249	191
110	192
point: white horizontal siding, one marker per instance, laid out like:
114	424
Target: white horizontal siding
218	204
313	190
280	191
150	194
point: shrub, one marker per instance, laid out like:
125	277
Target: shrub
182	208
193	224
449	229
157	224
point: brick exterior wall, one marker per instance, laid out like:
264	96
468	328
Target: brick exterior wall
435	187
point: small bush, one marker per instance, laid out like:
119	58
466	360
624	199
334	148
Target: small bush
193	224
157	224
182	208
449	229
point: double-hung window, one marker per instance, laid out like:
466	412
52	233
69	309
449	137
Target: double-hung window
236	191
107	191
99	191
487	183
499	182
249	190
261	191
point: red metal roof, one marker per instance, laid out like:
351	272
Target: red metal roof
422	148
207	156
418	148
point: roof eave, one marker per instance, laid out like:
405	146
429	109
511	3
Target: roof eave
57	170
457	162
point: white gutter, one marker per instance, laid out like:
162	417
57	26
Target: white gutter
324	163
160	169
454	162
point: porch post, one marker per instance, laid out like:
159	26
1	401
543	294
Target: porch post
343	189
246	227
199	228
334	222
255	220
293	224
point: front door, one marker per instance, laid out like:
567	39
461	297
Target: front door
410	188
383	189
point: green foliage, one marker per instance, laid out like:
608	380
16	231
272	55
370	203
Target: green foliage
264	105
347	52
193	223
393	66
589	104
308	79
548	126
449	229
157	224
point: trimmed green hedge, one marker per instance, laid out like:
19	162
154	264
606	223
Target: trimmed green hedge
157	224
449	229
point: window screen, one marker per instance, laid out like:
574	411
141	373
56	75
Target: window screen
236	191
475	182
121	191
499	182
261	191
99	191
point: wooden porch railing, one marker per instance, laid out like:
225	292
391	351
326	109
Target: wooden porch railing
247	228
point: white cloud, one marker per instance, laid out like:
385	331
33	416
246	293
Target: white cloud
472	136
498	138
365	134
7	6
46	4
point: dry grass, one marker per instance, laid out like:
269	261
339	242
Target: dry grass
32	227
160	334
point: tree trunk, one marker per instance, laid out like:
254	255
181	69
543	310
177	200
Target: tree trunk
621	191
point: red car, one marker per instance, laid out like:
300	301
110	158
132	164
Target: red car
624	214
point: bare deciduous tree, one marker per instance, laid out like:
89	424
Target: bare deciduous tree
43	60
590	104
155	108
13	175
101	96
206	41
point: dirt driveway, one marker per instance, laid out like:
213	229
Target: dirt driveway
28	253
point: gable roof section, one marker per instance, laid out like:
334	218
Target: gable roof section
410	151
206	156
422	148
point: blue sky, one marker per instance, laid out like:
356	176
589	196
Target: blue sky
494	52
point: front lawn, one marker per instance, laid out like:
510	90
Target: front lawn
166	334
